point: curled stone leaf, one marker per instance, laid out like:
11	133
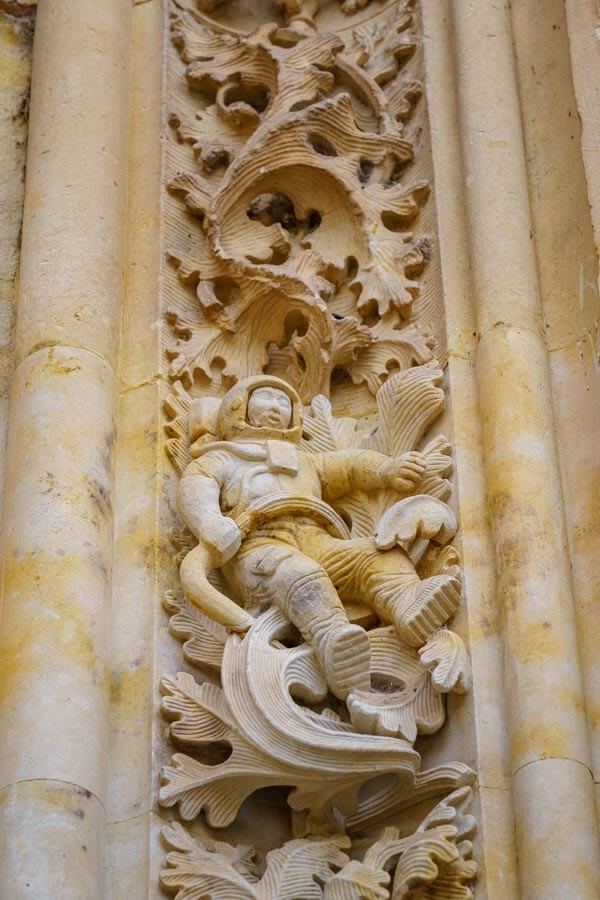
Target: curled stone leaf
446	656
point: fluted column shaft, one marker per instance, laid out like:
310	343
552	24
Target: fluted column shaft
549	745
58	534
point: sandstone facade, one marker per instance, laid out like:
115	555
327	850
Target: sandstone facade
301	480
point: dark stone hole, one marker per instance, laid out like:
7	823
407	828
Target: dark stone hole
321	145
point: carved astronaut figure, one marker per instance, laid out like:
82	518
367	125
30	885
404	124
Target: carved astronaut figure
260	508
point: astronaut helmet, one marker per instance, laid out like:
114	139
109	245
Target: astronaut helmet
234	422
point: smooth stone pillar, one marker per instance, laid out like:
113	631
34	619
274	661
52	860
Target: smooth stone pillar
543	676
57	570
71	267
495	848
568	276
58	537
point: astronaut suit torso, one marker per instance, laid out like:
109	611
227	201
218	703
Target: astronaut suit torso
305	564
290	547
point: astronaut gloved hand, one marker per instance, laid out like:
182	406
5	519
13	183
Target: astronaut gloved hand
404	473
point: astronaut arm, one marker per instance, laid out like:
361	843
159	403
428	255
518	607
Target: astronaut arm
345	471
198	503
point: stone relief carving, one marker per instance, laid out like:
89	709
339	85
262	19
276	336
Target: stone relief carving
433	862
316	571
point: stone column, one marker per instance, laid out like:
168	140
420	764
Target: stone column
58	511
495	831
580	381
559	146
552	786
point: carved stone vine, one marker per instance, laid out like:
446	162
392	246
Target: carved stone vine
317	572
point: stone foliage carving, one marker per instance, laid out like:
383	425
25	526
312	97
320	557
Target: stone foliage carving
303	259
317	574
433	862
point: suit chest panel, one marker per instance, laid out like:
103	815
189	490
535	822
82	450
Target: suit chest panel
249	480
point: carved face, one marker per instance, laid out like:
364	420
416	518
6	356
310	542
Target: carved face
269	407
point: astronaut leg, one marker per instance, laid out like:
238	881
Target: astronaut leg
386	581
417	608
302	590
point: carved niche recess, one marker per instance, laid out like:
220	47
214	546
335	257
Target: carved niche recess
317	574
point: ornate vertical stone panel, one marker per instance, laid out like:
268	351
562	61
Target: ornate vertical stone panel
304	331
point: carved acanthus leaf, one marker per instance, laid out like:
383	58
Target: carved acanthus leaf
177	408
408	403
213	870
433	863
439	464
210	869
258	317
445	655
276	741
357	881
295	186
324	431
310	366
381	46
391	349
415	707
300	867
321	147
437	857
203	640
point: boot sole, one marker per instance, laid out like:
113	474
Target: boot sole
432	607
349	661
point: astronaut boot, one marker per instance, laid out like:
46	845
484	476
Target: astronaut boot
344	653
420	607
342	650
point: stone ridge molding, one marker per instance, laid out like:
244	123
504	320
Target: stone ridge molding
317	574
